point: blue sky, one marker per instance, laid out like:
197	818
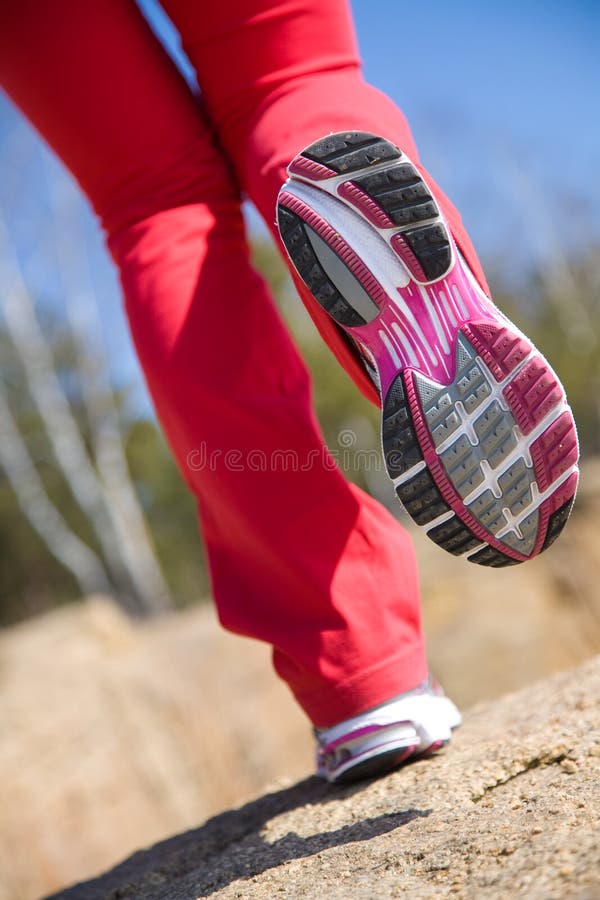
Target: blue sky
504	102
503	99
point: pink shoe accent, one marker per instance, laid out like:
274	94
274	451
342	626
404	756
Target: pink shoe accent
554	451
501	349
561	496
352	736
301	165
402	757
368	207
408	257
433	748
533	393
564	493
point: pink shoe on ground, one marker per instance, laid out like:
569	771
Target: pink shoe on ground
407	727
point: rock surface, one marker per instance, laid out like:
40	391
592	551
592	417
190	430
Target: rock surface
116	735
510	809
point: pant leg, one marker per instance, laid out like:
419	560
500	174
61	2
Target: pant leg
297	557
277	75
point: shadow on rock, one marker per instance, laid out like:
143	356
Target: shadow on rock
231	844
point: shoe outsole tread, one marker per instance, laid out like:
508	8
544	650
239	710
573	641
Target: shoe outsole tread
485	456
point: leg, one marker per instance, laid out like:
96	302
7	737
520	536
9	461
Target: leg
479	439
297	556
296	77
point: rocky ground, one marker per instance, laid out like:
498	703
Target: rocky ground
117	735
510	809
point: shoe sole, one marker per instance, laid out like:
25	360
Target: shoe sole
378	764
381	761
377	747
477	435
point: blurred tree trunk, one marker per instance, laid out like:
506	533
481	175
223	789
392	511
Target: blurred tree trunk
85	566
110	507
81	303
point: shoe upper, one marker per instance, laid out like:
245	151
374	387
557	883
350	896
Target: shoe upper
409	724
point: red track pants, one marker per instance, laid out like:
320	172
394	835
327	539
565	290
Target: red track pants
298	557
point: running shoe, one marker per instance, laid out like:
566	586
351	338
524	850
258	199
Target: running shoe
478	438
408	727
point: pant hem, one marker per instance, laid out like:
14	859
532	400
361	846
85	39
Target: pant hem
366	689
